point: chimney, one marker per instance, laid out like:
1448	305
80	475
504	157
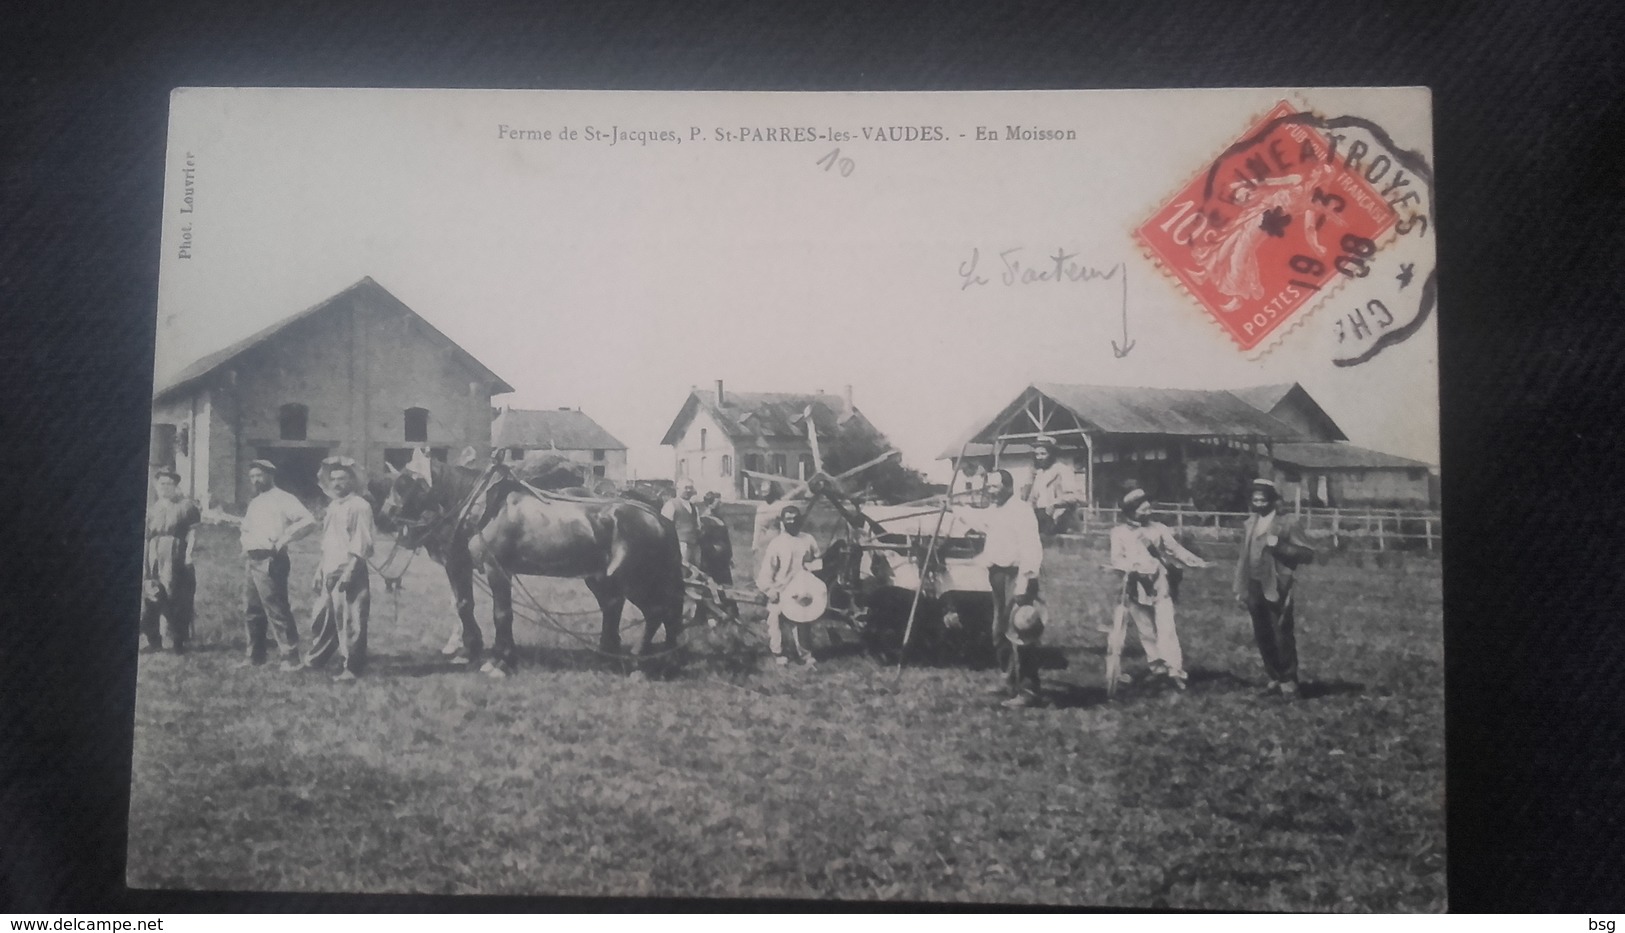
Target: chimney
848	393
719	393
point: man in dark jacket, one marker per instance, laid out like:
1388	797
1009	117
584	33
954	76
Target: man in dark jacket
1272	547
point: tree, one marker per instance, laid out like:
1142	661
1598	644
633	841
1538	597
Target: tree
1222	483
857	442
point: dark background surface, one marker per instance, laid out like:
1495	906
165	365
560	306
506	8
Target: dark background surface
1529	108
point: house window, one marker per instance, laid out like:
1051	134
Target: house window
804	466
702	438
1291	476
417	425
598	470
516	453
291	421
701	474
727	465
598	455
778	464
1109	456
753	462
1418	475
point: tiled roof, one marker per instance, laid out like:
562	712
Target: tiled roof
559	430
207	365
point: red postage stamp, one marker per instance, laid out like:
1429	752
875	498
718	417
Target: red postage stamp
1269	228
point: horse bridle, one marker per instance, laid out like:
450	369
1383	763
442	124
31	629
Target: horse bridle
427	524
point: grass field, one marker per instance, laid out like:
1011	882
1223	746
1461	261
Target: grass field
738	779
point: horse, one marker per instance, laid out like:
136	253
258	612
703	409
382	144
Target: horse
465	519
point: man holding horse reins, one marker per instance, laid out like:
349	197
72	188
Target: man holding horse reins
340	625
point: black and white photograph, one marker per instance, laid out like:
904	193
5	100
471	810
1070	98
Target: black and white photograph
1015	498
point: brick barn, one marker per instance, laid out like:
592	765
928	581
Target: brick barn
359	375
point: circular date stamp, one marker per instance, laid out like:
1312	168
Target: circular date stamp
1304	211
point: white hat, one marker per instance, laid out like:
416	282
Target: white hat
804	598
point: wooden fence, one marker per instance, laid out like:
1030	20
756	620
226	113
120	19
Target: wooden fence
1379	529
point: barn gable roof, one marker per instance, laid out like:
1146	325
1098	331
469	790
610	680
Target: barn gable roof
566	429
1139	410
768	415
1270	397
209	364
1335	455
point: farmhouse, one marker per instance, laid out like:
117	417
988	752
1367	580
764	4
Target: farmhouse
1158	439
360	375
718	433
565	432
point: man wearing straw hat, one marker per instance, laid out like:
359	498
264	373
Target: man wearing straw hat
1272	547
340	624
1051	493
168	580
787	557
274	519
1150	556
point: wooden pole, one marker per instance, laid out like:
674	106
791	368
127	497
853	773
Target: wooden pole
1334	527
1427	525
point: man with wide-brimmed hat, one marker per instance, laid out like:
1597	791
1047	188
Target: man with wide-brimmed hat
1150	557
274	519
340	623
1273	546
790	555
168	580
1052	492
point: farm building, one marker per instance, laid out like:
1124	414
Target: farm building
565	432
1291	404
1158	439
718	433
1330	473
360	375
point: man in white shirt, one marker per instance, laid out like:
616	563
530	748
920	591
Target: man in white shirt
1149	555
793	552
340	624
1052	493
1014	554
680	512
274	519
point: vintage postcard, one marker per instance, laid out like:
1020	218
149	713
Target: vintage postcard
1008	497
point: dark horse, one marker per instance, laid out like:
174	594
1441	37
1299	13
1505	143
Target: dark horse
490	521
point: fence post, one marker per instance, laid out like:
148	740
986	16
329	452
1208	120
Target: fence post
1380	546
1179	518
1334	527
1427	526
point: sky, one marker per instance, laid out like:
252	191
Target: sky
614	277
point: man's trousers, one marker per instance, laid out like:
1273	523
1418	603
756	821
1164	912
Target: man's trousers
1273	630
1158	636
173	604
1019	663
265	605
340	624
